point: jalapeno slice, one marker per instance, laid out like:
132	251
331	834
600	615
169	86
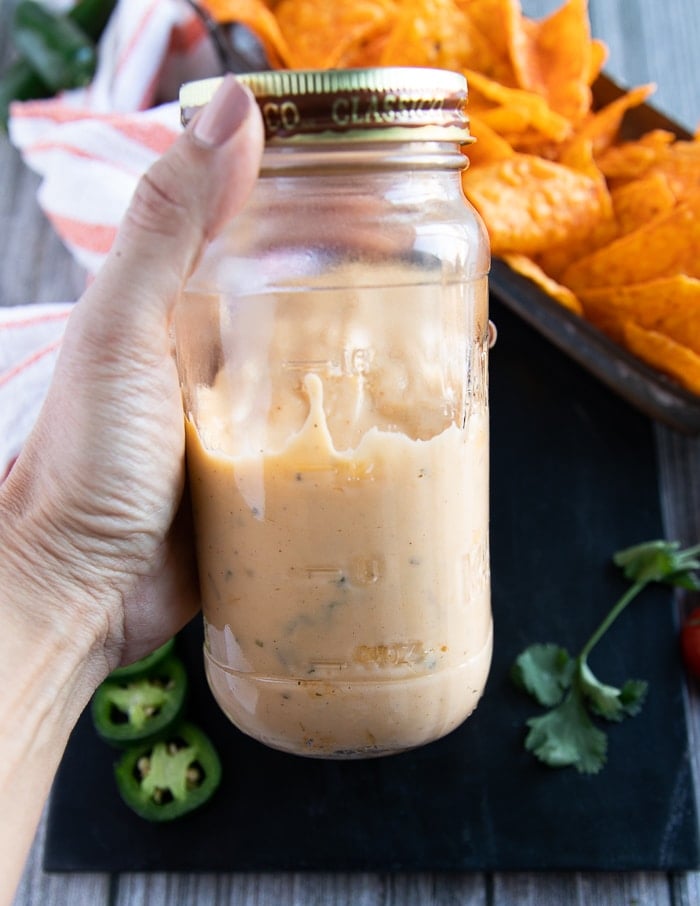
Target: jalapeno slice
168	778
145	664
138	708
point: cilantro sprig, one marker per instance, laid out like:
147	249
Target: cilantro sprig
566	734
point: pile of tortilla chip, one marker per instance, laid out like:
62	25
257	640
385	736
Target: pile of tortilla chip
610	229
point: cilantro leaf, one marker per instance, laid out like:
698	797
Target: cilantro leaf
545	671
565	736
660	561
633	695
608	701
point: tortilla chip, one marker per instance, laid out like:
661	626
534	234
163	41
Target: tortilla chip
603	126
670	306
517	108
599	56
633	159
553	58
555	259
489	145
430	33
679	162
667	245
578	155
367	51
528	268
319	34
641	201
664	354
492	25
528	203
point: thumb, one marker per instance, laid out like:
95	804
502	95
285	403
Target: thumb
182	202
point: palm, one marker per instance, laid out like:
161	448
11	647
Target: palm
114	422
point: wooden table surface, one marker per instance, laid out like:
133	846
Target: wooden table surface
648	41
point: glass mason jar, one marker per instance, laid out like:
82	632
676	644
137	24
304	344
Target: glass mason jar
332	347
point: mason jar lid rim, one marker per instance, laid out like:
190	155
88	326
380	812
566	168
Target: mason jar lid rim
418	99
427	81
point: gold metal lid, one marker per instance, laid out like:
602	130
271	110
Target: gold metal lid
392	103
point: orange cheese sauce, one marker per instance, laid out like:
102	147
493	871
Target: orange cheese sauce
346	593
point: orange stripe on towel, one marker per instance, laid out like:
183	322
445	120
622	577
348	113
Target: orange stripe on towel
151	134
94	237
46	318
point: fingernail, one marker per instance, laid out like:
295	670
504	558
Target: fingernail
222	116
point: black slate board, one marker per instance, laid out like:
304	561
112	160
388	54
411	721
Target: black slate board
573	479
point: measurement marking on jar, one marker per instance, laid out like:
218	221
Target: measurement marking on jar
358	360
317	366
475	570
324	573
366	570
360	571
319	668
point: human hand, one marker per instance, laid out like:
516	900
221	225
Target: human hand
96	566
94	523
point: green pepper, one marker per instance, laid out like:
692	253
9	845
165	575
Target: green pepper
20	83
145	664
139	708
166	779
92	16
56	47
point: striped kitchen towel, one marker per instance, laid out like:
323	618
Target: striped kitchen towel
30	336
90	146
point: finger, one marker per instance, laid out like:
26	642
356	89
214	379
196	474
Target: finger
162	601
